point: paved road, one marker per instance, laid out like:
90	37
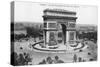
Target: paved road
38	56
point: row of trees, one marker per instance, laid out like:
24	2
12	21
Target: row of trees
31	32
88	35
34	32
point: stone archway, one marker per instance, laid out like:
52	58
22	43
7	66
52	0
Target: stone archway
63	28
59	22
64	32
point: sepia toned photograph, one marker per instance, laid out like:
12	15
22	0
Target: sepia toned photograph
49	33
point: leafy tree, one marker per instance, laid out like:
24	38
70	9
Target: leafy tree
34	32
21	59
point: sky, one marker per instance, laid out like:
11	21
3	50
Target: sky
33	12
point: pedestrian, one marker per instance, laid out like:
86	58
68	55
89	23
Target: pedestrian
75	58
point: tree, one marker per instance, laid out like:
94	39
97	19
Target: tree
21	59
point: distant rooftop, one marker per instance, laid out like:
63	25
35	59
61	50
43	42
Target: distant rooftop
60	11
